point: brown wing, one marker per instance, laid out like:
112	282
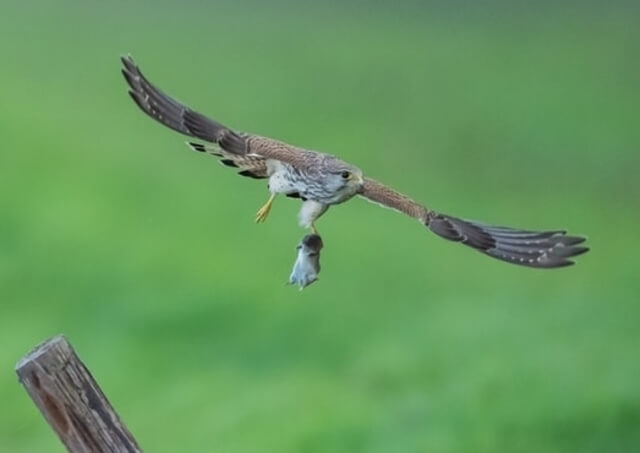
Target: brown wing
540	249
183	119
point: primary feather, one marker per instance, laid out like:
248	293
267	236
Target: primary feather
541	249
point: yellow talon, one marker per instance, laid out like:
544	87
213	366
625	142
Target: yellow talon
313	229
263	212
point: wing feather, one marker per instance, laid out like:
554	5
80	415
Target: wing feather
250	165
538	249
177	116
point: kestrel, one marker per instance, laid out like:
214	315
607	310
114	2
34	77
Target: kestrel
321	180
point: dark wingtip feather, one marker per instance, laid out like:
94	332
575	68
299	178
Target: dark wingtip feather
197	147
577	251
544	249
138	100
128	63
250	174
175	115
128	77
228	163
572	240
442	227
203	149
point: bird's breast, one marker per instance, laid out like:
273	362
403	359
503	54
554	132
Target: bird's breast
285	178
282	177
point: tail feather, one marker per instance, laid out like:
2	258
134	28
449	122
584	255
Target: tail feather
539	249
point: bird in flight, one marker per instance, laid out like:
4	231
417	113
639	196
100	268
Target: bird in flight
321	180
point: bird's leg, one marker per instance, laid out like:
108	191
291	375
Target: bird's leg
263	212
309	213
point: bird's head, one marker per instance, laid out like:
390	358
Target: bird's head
345	179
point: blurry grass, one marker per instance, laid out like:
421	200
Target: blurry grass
145	255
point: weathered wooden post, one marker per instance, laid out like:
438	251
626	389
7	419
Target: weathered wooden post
71	401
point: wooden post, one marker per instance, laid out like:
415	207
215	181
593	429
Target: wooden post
71	401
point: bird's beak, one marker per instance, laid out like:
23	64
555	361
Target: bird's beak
360	180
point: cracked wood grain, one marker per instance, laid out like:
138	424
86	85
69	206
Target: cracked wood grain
71	401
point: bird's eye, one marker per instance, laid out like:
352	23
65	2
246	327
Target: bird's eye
345	174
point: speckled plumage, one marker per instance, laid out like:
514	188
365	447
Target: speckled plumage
321	180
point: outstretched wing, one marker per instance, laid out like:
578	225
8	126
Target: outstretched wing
175	115
540	249
183	119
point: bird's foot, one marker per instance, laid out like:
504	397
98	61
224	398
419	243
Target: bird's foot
314	230
263	212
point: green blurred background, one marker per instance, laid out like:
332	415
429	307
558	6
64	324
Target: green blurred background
146	255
